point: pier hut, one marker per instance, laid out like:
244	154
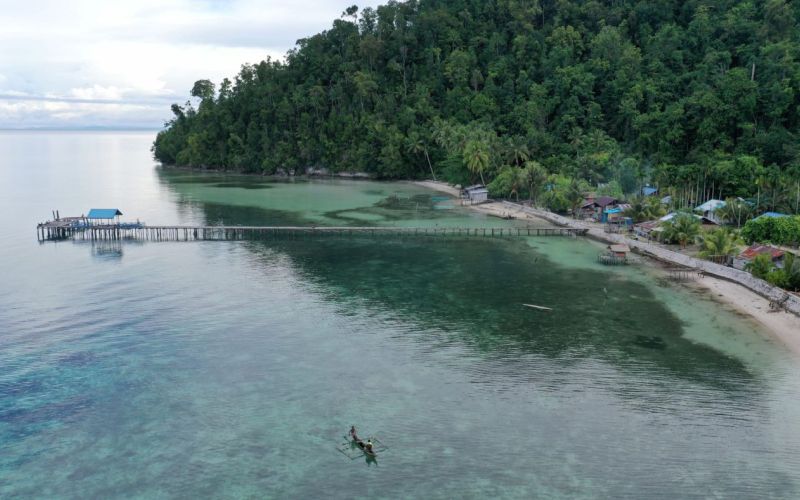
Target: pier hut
614	255
103	216
476	194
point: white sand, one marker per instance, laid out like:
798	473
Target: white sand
783	325
439	186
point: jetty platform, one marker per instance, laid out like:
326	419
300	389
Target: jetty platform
63	229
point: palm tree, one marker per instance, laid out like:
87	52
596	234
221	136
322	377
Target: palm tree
720	242
417	146
681	229
518	179
644	208
518	149
535	176
735	211
477	158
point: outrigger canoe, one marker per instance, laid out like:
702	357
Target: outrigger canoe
363	447
355	447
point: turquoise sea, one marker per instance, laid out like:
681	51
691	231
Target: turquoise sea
234	369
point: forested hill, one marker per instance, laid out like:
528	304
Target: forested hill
659	90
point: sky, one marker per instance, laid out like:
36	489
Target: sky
120	64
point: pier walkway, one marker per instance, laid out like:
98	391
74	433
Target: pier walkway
61	229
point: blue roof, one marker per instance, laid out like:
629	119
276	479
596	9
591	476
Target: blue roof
103	213
771	214
647	191
612	210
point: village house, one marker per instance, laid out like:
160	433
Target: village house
753	251
597	206
709	209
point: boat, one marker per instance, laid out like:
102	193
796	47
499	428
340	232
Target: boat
363	447
354	447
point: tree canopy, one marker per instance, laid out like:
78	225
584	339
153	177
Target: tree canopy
698	96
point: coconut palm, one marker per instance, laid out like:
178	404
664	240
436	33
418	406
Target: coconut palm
476	158
517	149
535	177
681	229
416	146
735	211
644	208
720	242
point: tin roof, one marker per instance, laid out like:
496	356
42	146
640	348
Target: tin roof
752	251
710	206
601	202
771	214
619	248
103	213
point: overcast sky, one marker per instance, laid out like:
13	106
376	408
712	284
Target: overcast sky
114	63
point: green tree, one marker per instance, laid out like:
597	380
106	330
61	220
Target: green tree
476	157
760	266
735	211
644	208
535	176
681	229
417	146
719	242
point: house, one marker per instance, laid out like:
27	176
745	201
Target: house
753	251
619	224
595	207
610	214
103	216
649	191
614	215
475	194
709	208
647	229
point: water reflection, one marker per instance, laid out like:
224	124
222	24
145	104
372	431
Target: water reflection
107	249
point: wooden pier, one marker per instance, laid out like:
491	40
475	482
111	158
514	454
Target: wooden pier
61	230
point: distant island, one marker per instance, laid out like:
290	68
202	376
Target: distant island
545	99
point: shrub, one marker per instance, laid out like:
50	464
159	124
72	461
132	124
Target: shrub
777	230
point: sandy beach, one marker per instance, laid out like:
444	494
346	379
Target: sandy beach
782	325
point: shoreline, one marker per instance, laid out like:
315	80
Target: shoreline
782	325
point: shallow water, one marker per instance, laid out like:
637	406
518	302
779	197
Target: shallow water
233	369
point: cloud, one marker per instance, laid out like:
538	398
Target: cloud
64	63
